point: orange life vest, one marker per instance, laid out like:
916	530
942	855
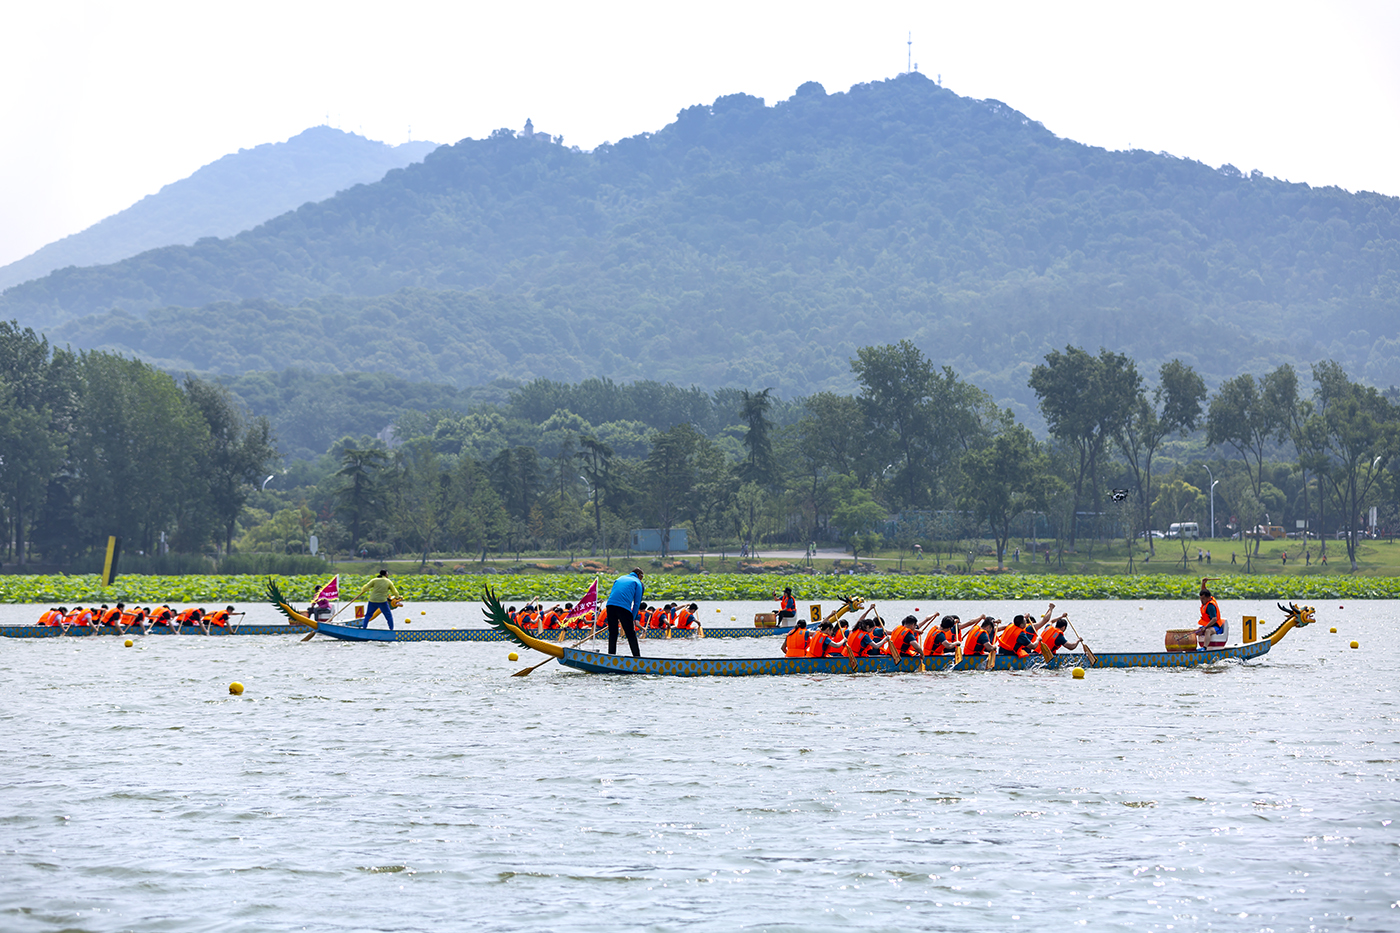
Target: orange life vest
80	617
820	645
795	645
551	620
1009	637
51	618
787	604
683	620
130	618
970	646
904	642
658	618
219	618
1052	638
1206	619
936	643
111	616
858	645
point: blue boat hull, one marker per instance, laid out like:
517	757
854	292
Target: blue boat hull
356	633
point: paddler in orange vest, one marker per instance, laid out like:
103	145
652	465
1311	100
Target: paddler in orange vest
53	617
979	640
795	644
823	643
1017	638
79	616
942	640
1210	617
686	618
904	640
221	618
1053	636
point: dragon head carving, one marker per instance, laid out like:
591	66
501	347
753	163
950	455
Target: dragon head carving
1301	615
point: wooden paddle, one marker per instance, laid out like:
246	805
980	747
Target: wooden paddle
1093	661
312	633
525	672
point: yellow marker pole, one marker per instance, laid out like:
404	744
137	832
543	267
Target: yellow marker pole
109	566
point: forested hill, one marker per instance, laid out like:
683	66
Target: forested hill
756	245
230	194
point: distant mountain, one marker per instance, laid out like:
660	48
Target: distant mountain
752	245
226	196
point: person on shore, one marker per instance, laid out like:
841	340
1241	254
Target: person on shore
1210	618
624	601
795	644
380	591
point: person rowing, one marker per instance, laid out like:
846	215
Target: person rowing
796	643
904	640
1017	639
943	639
980	634
824	643
1054	637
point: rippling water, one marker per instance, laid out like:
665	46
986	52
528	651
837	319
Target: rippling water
420	787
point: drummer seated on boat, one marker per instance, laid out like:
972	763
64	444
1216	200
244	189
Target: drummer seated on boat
1210	619
787	607
796	643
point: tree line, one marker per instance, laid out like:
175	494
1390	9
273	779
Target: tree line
93	443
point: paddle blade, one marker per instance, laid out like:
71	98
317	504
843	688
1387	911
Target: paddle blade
310	636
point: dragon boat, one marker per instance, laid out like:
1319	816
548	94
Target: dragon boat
86	631
357	630
594	662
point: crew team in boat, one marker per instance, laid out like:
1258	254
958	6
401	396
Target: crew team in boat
137	618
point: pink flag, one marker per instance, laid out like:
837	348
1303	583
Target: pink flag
330	591
586	605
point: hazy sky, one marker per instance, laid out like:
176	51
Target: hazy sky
102	103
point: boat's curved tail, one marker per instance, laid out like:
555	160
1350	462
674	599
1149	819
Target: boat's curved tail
496	618
274	596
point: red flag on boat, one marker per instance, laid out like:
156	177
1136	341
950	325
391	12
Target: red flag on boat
588	604
329	592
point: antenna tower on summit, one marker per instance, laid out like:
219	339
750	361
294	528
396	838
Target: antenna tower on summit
909	60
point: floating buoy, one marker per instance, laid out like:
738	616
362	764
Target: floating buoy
1333	630
1341	607
128	643
731	618
513	656
236	689
1077	673
1356	644
423	613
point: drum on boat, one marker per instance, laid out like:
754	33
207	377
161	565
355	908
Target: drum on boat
1181	639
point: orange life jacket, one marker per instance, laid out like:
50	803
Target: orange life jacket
219	618
684	618
1206	619
130	618
551	620
185	617
795	645
970	646
904	642
936	643
51	618
1052	638
529	621
787	604
658	618
80	617
858	645
111	616
820	645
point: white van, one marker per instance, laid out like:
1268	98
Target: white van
1184	530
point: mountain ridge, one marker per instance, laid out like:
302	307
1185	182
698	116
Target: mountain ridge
235	192
746	244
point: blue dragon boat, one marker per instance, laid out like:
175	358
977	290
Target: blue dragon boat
595	662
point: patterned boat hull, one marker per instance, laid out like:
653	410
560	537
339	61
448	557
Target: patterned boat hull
74	631
595	662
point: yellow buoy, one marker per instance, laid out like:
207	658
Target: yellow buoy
236	689
128	643
1078	673
1333	630
731	618
1356	644
513	656
423	613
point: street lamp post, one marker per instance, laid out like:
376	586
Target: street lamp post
1213	481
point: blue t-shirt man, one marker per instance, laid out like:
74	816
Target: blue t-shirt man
623	599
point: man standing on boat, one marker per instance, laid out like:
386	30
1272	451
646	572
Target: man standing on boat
381	590
623	600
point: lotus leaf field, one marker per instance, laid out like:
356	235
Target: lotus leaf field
209	590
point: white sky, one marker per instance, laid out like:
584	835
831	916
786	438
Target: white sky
102	103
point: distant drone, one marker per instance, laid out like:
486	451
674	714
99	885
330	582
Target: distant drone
1119	495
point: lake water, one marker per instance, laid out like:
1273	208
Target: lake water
418	786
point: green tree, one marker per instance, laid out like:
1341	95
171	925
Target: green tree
1087	401
595	458
1175	408
1362	432
1003	479
240	449
669	475
358	497
759	465
855	516
1244	416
